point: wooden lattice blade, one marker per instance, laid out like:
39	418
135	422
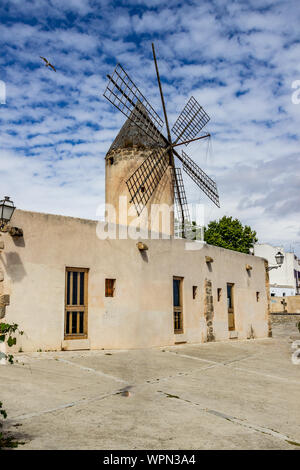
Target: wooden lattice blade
203	181
143	182
125	96
190	122
182	208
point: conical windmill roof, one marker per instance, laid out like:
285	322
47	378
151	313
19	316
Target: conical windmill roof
132	134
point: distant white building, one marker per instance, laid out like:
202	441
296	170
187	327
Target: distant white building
285	280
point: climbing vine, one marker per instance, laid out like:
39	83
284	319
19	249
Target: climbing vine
7	335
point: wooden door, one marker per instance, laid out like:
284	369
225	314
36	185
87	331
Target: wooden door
177	304
76	303
230	306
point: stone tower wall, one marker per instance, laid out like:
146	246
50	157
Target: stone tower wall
120	164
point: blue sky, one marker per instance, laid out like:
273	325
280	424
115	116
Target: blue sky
238	58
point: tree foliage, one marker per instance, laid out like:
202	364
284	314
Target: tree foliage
231	234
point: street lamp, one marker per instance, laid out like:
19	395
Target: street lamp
279	257
6	211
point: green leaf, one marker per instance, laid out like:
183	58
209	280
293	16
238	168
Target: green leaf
3	413
11	341
10	358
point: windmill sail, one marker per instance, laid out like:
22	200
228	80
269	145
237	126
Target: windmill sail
143	182
190	122
182	208
125	96
202	180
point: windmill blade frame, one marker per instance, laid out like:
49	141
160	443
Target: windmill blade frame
180	197
203	181
169	139
190	122
125	96
143	182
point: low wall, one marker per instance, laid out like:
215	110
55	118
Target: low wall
289	305
284	318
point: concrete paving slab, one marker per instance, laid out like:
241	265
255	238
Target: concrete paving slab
138	367
47	384
231	395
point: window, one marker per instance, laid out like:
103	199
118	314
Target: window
272	294
219	293
110	287
177	304
195	292
257	296
230	306
76	299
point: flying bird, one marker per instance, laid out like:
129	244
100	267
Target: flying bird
47	63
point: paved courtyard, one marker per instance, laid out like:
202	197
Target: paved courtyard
231	395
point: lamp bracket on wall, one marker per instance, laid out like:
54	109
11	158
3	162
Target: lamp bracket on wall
13	231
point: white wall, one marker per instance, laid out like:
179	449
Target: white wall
282	278
282	291
141	312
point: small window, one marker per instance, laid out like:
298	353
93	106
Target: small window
110	287
272	294
219	293
257	296
195	292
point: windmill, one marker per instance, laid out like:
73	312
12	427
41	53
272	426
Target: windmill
125	96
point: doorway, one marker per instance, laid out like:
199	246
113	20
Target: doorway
230	306
76	303
177	304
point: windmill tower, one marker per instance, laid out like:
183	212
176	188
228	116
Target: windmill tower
129	150
148	168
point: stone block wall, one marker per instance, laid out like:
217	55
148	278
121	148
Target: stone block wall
209	310
288	305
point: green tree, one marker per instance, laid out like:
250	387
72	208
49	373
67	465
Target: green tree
231	234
